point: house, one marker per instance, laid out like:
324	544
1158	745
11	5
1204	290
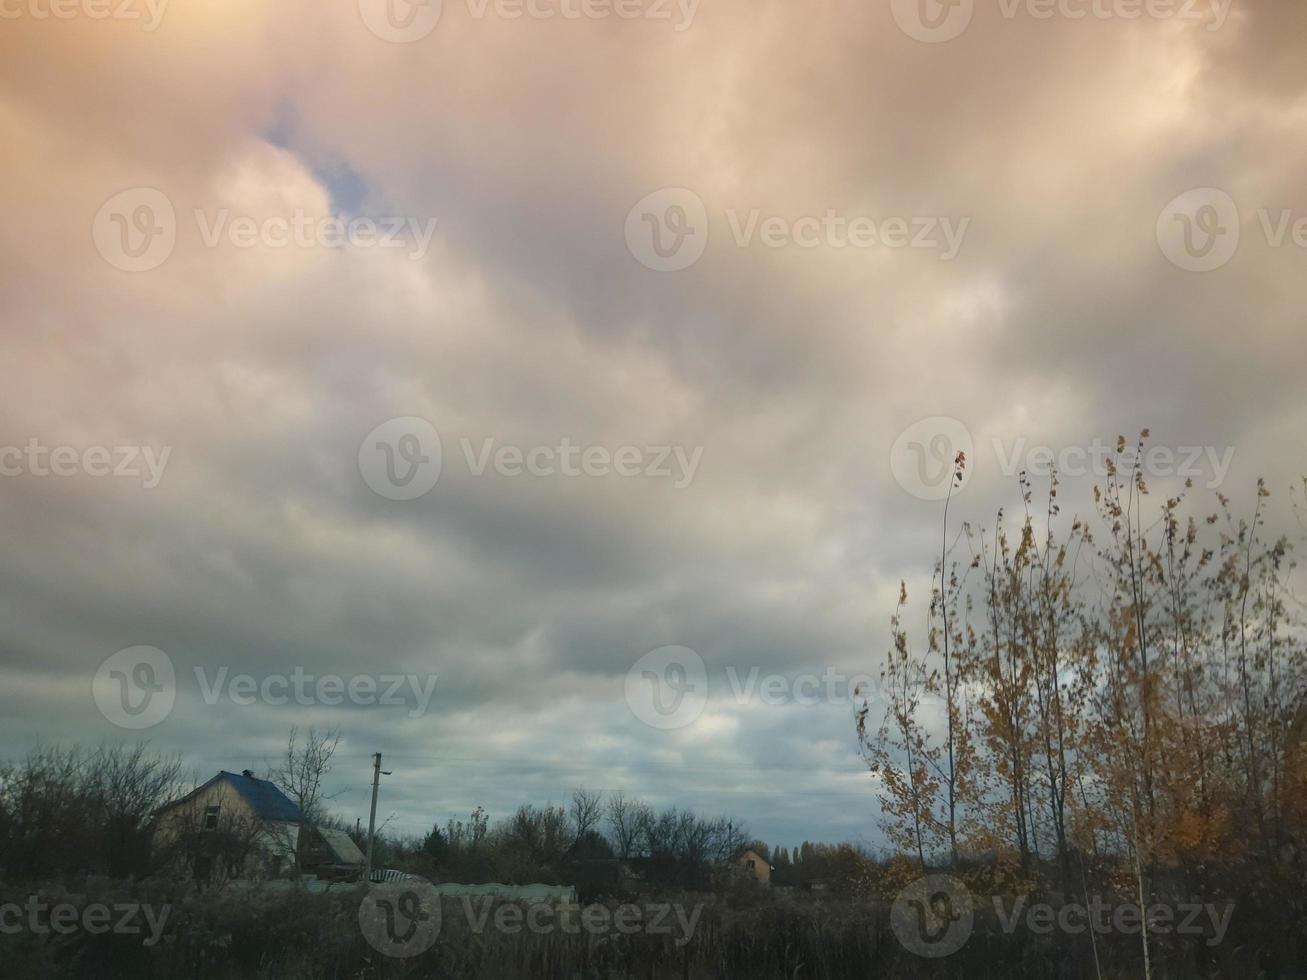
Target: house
330	854
755	864
233	826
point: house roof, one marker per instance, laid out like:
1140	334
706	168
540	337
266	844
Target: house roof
264	798
341	846
267	801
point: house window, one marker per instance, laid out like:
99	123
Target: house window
211	816
749	862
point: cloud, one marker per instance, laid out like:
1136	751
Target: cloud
527	321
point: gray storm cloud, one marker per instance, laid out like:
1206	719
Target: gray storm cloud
527	320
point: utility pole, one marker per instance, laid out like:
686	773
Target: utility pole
372	816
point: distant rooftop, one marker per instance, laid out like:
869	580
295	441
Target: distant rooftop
265	799
342	846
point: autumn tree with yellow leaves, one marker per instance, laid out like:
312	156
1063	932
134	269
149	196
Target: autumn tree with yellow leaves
1126	689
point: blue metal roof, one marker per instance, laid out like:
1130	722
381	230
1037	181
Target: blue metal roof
267	801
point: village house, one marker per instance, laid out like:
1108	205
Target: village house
233	826
756	865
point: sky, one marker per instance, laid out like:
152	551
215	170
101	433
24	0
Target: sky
555	394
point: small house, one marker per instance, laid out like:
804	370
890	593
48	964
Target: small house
756	865
233	826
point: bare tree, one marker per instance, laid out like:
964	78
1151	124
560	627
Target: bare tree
300	773
129	783
626	821
70	809
586	811
683	845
